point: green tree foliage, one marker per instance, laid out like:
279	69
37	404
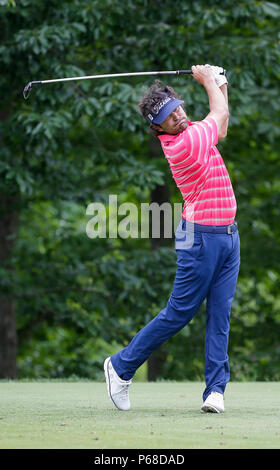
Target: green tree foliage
68	145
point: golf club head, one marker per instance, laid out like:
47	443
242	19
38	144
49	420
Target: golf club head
27	89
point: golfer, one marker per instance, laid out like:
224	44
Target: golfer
206	242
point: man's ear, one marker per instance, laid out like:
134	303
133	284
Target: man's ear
156	127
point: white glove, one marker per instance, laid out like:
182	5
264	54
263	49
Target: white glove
219	79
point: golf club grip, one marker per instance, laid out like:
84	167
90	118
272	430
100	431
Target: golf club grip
184	72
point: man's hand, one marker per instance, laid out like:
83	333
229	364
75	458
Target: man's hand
203	74
219	79
217	103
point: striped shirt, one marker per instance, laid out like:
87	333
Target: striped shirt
200	173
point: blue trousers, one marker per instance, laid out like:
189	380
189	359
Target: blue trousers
206	269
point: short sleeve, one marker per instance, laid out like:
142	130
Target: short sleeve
199	138
214	129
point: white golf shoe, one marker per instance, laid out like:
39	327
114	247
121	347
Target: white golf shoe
214	403
117	388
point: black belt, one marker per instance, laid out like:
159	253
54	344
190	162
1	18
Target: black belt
229	229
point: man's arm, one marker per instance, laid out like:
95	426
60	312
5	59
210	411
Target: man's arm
224	90
217	97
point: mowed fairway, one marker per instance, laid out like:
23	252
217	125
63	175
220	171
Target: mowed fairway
164	415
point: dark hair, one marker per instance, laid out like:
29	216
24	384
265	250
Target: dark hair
154	95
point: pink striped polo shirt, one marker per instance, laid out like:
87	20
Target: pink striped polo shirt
200	173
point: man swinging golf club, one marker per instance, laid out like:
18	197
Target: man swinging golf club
207	268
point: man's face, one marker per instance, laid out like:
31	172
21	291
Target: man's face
175	123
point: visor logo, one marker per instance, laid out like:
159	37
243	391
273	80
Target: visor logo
157	107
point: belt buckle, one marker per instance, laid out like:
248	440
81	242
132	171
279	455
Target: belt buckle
229	231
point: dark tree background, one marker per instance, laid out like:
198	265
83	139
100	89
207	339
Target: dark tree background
67	300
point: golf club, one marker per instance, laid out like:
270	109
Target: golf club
27	89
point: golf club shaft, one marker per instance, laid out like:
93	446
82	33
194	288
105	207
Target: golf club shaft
115	75
28	87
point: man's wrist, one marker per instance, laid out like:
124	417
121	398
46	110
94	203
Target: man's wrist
211	82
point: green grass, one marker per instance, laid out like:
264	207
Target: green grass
164	415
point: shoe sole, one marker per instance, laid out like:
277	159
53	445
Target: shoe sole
107	377
210	409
